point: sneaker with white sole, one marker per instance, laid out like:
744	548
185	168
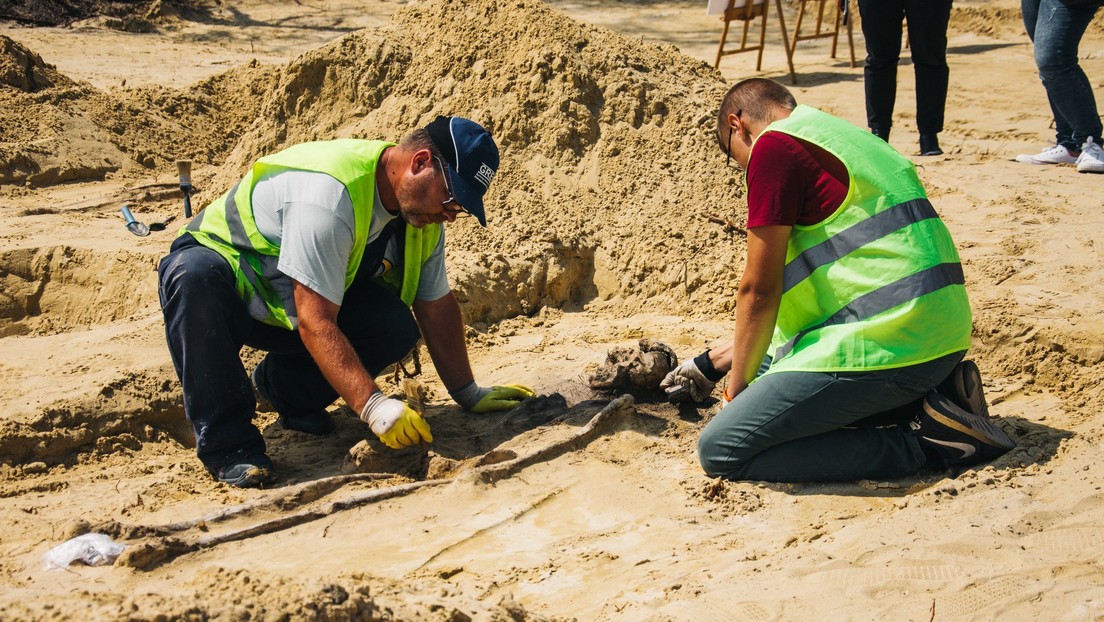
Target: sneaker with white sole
1052	155
1091	159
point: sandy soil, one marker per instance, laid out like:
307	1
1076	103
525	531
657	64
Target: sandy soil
613	220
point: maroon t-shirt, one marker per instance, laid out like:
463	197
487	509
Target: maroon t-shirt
792	181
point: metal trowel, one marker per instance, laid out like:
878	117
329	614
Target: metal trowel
137	228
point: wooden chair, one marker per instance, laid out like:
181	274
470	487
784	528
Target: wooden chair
822	29
747	11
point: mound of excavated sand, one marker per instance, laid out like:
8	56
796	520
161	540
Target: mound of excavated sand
611	187
610	175
24	70
56	129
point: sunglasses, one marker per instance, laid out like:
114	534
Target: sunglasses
459	209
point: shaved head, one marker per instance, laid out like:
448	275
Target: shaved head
761	100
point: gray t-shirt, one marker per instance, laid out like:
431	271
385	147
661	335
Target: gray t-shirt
309	216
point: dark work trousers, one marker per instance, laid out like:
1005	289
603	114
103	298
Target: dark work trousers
822	426
206	325
927	28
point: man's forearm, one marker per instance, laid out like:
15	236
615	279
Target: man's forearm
757	302
720	355
755	319
442	327
338	361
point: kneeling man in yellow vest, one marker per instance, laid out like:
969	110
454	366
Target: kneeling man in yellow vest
852	320
317	257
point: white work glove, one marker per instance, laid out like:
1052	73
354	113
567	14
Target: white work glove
394	422
690	382
483	400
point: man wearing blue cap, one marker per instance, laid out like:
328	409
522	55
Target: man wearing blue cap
317	256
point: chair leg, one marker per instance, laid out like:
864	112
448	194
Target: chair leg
835	31
797	27
820	16
762	37
851	41
720	46
785	42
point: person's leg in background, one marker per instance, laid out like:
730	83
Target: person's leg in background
206	324
881	26
791	426
1056	30
927	26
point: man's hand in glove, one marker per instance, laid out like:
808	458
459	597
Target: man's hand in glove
483	400
692	381
394	422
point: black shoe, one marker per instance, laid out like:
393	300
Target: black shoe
957	437
964	388
249	473
318	424
880	133
929	145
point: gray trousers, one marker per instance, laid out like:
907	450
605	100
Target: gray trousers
822	427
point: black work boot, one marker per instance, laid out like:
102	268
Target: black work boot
929	145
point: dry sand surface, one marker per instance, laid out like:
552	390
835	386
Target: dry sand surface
613	219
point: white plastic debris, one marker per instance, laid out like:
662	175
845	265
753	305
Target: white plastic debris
93	549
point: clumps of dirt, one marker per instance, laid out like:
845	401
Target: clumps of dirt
24	70
635	369
48	290
1042	353
41	139
138	408
996	21
129	15
157	126
730	497
57	130
223	595
372	456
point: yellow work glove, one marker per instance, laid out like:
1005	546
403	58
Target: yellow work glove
394	422
480	400
502	397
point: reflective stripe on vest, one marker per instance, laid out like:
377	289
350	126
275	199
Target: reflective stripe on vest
878	284
228	227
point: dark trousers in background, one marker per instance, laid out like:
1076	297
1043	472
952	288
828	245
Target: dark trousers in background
927	28
206	325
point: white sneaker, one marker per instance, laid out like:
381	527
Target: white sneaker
1054	155
1091	159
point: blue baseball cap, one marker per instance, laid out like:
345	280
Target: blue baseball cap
471	157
